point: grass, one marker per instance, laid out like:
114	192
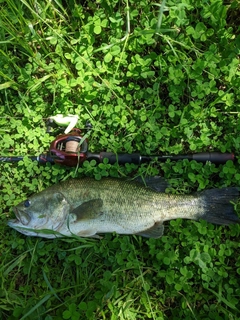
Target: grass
154	78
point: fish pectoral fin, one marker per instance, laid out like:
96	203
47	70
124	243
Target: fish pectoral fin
156	231
88	210
89	234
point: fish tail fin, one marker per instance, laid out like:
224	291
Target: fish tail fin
218	208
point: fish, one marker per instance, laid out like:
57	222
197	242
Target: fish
88	208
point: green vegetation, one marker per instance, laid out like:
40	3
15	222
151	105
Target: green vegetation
157	78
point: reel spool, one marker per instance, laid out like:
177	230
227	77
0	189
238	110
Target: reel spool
72	145
69	149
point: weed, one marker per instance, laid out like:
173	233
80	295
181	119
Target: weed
154	78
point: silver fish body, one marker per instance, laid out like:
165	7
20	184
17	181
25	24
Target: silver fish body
87	207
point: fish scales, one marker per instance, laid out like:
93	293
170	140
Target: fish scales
131	199
87	207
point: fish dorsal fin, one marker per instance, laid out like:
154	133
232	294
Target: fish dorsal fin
156	183
156	231
88	209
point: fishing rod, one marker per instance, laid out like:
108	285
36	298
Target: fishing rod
71	149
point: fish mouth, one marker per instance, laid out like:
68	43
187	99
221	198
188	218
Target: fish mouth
14	223
22	218
20	223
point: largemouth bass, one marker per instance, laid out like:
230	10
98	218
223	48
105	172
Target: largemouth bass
87	208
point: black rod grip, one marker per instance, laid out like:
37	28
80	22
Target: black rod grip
136	158
214	157
120	158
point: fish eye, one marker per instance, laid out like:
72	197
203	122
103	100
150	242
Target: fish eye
27	203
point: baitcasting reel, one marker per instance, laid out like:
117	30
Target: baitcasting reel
69	149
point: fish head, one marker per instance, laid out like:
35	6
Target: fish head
43	211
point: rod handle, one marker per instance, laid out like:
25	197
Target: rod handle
214	157
120	158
